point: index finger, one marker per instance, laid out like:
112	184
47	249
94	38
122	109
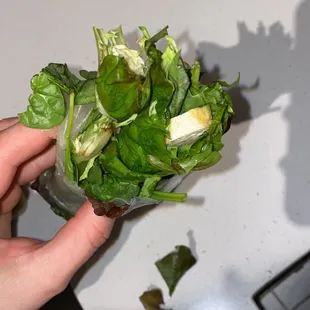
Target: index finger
17	145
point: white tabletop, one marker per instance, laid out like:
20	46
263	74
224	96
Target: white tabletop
255	219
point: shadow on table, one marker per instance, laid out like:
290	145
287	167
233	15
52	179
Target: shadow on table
295	164
280	64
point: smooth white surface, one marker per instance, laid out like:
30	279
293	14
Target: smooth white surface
255	218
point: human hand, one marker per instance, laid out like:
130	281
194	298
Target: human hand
32	271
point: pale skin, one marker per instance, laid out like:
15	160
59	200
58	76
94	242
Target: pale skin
32	271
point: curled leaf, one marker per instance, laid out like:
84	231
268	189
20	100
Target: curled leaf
62	76
47	107
152	299
174	67
119	89
88	75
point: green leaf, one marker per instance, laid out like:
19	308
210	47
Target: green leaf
162	88
212	95
178	76
149	186
88	75
173	151
160	166
194	159
119	89
86	93
132	154
89	165
210	161
150	132
155	38
79	168
95	174
195	96
184	151
173	266
174	68
152	299
112	188
111	163
144	137
145	92
61	75
47	107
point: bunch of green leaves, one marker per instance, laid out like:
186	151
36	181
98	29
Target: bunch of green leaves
121	87
47	105
124	90
122	151
141	146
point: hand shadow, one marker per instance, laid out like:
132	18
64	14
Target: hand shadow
282	66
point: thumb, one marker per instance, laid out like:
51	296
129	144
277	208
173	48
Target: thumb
73	245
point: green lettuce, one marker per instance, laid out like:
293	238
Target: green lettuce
120	153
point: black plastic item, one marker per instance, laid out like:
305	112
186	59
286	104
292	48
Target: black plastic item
290	290
63	301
